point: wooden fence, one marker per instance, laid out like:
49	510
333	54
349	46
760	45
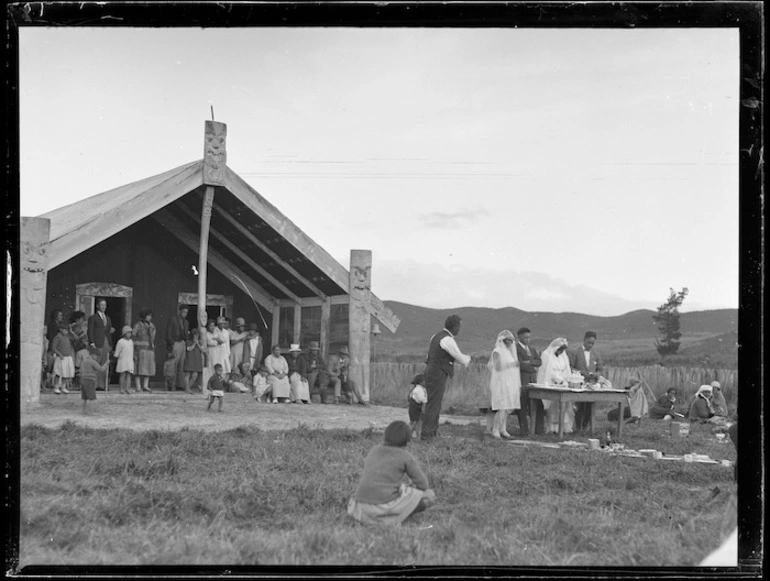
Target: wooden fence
393	379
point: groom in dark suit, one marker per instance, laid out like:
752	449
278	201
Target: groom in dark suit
529	361
587	361
100	336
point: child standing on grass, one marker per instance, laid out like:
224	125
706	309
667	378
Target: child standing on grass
89	371
124	353
382	496
169	371
64	362
216	387
418	399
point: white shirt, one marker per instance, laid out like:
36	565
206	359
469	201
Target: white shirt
588	358
525	347
419	394
449	345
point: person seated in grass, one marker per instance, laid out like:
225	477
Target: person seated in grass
89	371
261	386
718	403
664	407
700	408
240	379
217	386
637	403
382	496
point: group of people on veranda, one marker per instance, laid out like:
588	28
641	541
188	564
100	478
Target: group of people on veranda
192	359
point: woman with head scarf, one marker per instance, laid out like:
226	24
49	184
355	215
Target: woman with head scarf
718	402
701	408
554	371
505	385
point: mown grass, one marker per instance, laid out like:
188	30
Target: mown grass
250	497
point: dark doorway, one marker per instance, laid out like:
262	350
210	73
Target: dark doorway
116	309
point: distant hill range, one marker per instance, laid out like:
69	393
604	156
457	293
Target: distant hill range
624	338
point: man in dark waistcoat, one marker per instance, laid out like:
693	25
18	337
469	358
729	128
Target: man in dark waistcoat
529	361
442	353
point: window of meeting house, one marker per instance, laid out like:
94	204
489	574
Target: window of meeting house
310	326
338	327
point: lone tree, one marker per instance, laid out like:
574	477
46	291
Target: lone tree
667	321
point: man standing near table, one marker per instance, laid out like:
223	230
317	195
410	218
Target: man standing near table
442	353
529	361
177	333
587	361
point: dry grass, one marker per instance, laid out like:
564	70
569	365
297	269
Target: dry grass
248	497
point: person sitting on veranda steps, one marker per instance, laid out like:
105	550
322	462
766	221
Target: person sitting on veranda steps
637	407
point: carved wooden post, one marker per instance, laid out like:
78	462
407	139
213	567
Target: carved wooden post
297	323
33	279
276	324
360	318
214	162
326	315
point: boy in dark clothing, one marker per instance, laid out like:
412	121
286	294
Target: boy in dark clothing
216	386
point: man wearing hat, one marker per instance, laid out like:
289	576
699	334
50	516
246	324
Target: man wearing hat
177	333
317	376
300	392
339	377
237	339
252	346
718	402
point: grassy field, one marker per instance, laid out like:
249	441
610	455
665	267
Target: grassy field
251	497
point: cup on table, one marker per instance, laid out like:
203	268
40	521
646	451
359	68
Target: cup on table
593	443
688	458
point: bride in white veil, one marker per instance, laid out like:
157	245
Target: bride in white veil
554	371
505	385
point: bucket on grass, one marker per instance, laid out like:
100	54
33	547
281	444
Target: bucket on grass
681	429
593	443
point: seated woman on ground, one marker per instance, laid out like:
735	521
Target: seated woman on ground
664	406
702	409
241	379
637	403
382	496
718	403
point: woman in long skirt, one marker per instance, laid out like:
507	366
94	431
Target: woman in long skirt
505	385
143	335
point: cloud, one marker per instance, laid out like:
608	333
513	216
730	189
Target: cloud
446	220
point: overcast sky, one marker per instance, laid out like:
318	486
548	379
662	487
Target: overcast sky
556	170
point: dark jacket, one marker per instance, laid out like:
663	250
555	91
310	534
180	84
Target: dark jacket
98	331
577	361
528	364
177	329
437	357
298	365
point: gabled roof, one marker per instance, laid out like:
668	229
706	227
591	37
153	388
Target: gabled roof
250	236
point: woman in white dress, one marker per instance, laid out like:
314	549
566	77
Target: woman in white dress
212	352
505	385
554	371
278	375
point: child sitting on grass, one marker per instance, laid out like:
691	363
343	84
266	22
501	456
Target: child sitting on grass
261	386
216	386
382	496
89	371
